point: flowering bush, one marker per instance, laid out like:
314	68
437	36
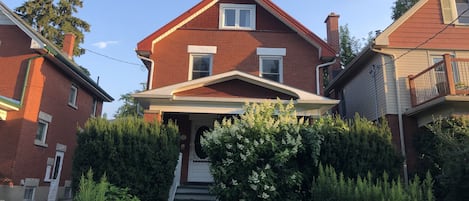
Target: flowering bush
263	154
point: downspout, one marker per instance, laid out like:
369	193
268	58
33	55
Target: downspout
318	88
26	76
399	114
152	66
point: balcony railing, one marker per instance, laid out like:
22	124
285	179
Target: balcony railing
447	77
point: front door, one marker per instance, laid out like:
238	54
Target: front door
55	177
198	159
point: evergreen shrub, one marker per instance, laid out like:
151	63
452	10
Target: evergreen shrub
330	186
443	149
357	146
89	190
134	154
264	154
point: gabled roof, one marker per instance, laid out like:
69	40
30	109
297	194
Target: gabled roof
165	98
54	54
383	38
145	46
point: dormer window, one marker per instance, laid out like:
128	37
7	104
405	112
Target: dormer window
455	11
238	16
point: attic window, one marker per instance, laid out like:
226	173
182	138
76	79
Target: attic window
461	7
237	16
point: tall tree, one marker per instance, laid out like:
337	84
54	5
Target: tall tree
130	108
53	20
401	6
349	45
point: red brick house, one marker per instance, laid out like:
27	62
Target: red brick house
415	70
44	98
208	62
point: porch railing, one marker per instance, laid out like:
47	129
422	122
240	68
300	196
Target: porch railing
176	179
447	77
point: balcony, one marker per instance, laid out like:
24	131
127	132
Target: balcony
449	77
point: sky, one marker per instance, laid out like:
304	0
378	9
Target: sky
117	27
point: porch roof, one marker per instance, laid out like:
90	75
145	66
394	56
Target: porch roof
173	99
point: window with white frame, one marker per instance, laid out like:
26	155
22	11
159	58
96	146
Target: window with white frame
201	61
455	11
42	127
271	63
462	7
237	16
201	65
29	192
72	97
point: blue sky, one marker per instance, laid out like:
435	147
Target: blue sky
117	27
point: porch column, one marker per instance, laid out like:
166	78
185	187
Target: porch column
449	74
152	115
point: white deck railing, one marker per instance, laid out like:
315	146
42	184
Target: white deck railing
176	179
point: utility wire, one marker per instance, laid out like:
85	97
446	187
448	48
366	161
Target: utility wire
114	59
424	42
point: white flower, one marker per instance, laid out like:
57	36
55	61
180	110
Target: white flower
253	187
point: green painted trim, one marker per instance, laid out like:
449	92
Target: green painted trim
9	102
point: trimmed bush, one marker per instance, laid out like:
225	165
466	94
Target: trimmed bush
134	154
357	146
330	186
264	154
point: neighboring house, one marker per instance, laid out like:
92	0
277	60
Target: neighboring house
44	98
415	70
207	63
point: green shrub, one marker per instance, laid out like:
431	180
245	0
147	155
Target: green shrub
264	154
102	191
358	146
330	186
134	154
443	149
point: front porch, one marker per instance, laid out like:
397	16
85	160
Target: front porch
440	90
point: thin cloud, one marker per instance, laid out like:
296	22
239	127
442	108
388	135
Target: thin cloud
104	44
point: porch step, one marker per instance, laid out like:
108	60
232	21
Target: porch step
194	192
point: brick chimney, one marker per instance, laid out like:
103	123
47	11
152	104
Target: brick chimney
68	44
332	22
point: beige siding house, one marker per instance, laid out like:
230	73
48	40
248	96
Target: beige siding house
415	70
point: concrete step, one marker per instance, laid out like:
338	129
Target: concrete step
194	192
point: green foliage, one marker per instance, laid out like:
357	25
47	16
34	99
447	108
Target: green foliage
357	146
131	107
401	6
54	20
134	154
102	191
331	186
349	45
265	154
444	151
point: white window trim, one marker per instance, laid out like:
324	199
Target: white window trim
455	14
30	183
201	49
271	51
33	188
74	101
280	68
191	62
46	119
237	7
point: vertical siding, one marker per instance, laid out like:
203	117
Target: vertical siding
360	93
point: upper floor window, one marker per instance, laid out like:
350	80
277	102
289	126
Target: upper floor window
238	16
455	11
201	65
72	97
461	7
42	127
271	63
201	61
